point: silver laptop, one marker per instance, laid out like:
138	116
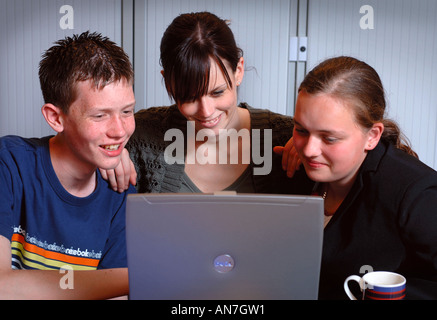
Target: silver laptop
223	246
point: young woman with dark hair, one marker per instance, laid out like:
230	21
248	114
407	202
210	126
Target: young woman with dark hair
202	68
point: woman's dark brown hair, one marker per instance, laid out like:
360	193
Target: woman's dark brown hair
88	56
355	81
188	45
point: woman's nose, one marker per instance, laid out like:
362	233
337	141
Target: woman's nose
205	107
312	147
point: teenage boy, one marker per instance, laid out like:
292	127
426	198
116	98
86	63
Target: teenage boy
62	229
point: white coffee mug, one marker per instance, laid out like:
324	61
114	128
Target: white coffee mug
378	285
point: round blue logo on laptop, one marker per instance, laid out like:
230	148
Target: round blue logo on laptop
224	263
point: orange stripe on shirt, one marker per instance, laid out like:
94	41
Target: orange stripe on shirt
54	255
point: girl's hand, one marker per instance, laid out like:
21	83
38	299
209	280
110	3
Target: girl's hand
120	177
290	159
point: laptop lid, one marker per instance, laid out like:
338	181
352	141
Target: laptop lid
223	247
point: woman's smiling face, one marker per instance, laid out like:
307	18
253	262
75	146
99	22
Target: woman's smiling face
330	143
217	109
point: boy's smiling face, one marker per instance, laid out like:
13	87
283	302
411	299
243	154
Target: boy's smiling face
99	123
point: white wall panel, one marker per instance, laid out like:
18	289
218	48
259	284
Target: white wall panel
27	28
402	48
261	28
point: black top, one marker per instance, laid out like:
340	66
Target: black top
155	175
387	222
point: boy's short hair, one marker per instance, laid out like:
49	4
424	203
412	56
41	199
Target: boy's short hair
88	56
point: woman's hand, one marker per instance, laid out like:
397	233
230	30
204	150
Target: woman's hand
120	177
290	159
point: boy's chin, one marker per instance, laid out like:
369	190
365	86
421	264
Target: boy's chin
109	166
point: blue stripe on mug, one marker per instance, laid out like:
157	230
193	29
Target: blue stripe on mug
381	293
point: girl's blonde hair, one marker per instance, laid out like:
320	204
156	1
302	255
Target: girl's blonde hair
355	81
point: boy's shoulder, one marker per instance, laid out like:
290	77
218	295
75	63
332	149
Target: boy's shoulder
13	144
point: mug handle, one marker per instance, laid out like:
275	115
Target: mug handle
346	286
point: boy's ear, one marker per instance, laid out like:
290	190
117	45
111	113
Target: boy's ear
53	116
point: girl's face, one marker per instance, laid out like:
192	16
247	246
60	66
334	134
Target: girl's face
330	143
218	108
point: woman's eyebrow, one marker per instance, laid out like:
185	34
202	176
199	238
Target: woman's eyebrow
297	123
219	87
333	132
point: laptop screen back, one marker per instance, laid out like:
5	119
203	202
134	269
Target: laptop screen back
199	246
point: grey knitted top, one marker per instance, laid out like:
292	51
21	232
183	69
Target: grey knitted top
155	175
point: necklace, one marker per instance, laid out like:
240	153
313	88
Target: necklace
323	195
328	214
